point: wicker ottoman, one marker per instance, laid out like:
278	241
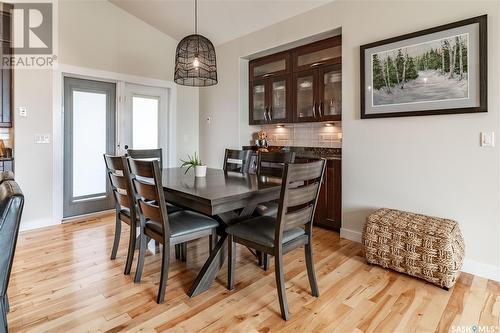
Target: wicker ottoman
427	247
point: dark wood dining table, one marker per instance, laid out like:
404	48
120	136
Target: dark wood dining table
227	196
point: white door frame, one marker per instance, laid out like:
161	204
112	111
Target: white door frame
120	79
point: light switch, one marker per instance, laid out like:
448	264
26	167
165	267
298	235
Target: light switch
487	139
23	112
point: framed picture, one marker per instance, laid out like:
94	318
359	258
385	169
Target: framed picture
430	72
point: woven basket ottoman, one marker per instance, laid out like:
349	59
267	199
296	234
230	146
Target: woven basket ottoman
426	247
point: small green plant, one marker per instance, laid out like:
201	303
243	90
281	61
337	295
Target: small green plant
191	162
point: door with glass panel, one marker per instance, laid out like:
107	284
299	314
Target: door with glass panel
89	132
143	121
330	91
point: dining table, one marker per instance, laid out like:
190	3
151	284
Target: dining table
229	197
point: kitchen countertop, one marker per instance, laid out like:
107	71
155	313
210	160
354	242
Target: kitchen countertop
307	152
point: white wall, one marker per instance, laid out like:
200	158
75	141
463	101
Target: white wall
96	35
431	165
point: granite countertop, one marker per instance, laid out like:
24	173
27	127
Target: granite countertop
307	152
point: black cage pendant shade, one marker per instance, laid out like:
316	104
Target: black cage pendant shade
195	61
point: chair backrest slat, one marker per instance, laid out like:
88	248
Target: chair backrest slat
302	195
299	195
272	164
146	154
298	218
119	181
237	160
305	171
123	200
148	193
150	211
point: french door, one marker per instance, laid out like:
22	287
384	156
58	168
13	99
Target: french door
89	132
143	119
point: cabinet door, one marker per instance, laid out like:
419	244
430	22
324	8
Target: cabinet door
305	96
322	53
330	92
329	207
259	108
273	65
279	99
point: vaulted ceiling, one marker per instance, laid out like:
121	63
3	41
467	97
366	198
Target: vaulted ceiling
218	20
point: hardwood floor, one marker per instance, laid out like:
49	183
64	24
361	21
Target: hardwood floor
64	281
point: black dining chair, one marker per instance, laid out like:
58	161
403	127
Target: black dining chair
155	223
237	160
11	209
119	179
291	228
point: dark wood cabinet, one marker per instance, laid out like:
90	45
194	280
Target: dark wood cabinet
329	209
5	73
270	90
303	84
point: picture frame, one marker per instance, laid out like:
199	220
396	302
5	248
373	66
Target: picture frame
442	70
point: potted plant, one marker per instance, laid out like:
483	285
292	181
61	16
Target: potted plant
200	169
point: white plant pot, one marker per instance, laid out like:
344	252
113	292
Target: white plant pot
200	171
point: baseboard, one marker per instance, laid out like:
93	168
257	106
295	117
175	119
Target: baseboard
484	270
36	224
470	266
350	235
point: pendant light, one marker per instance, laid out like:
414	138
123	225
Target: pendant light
195	63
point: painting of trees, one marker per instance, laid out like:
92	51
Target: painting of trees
394	69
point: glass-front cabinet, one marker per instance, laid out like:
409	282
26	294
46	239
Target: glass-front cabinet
303	84
330	93
258	102
270	89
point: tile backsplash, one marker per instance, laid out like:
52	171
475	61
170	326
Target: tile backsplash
305	135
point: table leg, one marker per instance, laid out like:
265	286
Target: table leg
214	263
211	268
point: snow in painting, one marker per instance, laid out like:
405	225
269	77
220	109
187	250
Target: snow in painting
432	71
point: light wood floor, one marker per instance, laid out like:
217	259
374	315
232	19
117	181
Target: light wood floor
63	281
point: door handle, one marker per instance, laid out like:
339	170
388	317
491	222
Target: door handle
271	113
265	113
321	110
314	109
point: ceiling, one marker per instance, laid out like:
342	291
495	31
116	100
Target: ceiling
218	20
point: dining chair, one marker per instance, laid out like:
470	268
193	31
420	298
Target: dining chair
11	209
119	179
292	227
270	164
168	229
157	154
237	160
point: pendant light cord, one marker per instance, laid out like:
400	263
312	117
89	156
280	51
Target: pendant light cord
196	16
